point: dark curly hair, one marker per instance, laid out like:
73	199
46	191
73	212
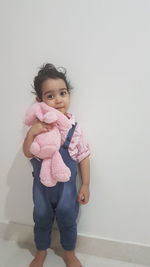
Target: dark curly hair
49	71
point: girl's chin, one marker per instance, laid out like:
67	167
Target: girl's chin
61	110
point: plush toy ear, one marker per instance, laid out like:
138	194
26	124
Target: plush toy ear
63	122
38	111
34	112
29	116
50	117
46	108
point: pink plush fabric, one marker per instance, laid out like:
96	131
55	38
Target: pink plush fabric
46	145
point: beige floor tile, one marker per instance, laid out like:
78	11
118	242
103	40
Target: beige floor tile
13	255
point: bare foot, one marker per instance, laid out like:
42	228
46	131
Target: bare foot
71	260
39	259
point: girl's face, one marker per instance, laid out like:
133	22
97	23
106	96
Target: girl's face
55	94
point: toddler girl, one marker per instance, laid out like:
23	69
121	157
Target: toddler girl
62	200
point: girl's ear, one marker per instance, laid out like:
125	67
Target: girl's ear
38	99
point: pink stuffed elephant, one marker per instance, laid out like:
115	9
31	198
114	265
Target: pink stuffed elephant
46	145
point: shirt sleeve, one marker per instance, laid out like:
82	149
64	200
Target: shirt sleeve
79	148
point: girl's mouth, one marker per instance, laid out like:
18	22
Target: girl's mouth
59	108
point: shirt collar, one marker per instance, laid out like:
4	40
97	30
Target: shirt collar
71	118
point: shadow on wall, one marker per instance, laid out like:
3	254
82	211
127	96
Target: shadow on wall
19	204
19	199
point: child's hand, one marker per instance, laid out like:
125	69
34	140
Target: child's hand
39	127
83	195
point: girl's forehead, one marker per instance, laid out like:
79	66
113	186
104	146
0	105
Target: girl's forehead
53	84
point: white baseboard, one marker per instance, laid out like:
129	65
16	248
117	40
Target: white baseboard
129	252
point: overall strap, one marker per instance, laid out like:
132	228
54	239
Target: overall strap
69	136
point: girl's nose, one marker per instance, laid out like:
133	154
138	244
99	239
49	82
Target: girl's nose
58	99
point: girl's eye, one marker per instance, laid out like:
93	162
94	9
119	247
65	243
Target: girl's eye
63	93
50	96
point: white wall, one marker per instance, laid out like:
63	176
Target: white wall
104	45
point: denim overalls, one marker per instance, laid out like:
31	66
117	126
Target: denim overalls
59	201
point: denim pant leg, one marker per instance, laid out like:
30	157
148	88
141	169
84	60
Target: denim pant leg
66	215
43	215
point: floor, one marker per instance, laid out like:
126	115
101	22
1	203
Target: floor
16	255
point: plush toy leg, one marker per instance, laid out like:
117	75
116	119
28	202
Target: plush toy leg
45	174
60	171
47	151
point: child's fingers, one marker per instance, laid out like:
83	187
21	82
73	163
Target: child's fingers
44	126
44	130
47	126
82	199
